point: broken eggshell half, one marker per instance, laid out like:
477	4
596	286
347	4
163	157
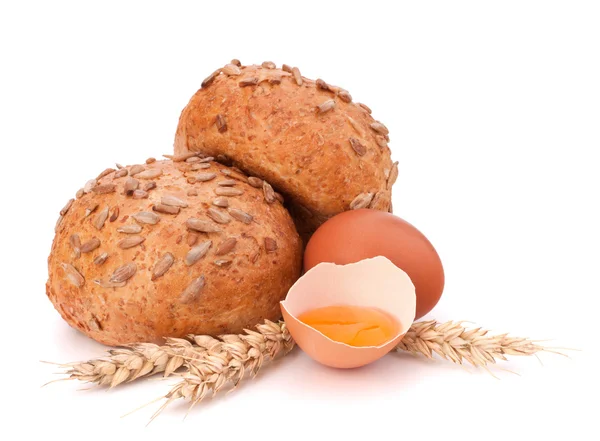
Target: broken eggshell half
374	283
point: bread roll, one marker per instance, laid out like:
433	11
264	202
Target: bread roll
308	139
168	249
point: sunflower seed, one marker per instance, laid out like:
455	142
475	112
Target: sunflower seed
279	197
323	85
268	192
192	292
130	229
207	159
255	182
228	191
358	147
162	265
99	260
90	209
115	214
173	201
136	169
131	184
381	142
73	275
140	194
355	125
380	201
100	218
240	215
380	128
226	246
104	173
150	160
197	253
104	189
227	183
236	62
221	202
184	156
89	185
326	106
365	107
192	192
105	284
79	193
202	225
166	209
393	175
222	262
192	238
235	173
203	177
231	70
90	245
192	160
119	166
75	242
121	173
297	76
248	81
149	186
146	217
66	207
361	201
219	217
345	96
200	166
130	242
123	273
268	65
209	79
150	174
270	245
286	68
221	123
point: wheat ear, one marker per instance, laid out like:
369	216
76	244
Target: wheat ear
129	363
453	342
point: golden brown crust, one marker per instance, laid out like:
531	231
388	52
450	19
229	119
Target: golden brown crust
235	283
307	138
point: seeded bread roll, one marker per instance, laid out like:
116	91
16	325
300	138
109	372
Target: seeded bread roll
308	139
169	249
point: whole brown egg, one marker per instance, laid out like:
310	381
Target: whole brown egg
360	234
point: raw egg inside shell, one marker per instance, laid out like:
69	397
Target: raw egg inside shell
347	316
360	234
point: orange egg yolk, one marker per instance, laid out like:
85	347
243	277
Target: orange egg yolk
353	325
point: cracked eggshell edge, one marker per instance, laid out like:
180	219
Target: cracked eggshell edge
374	282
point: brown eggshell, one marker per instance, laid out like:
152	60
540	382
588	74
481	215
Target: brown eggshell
355	235
375	283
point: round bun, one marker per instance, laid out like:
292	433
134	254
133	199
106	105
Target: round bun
325	153
167	249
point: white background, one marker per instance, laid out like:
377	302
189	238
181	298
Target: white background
494	113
